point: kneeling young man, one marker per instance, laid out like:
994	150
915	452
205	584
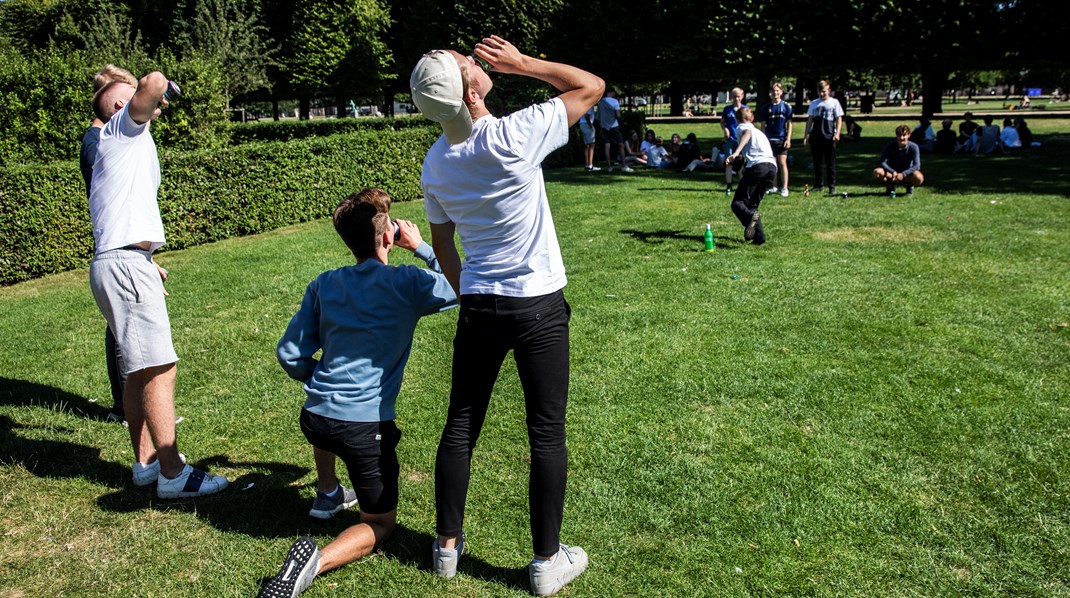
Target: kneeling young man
363	318
900	163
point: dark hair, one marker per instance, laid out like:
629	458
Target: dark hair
902	129
692	138
361	219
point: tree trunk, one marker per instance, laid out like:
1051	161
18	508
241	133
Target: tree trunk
800	87
933	82
676	99
340	106
306	107
388	102
275	108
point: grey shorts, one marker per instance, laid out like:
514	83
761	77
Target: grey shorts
129	292
587	132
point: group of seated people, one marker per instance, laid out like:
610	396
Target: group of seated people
973	138
681	154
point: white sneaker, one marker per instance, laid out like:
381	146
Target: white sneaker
784	192
548	578
772	190
191	482
147	474
444	560
297	572
627	169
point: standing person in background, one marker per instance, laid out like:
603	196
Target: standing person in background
127	283
588	134
609	121
728	128
776	124
87	156
824	120
482	181
758	175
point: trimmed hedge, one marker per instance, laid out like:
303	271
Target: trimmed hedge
208	196
285	130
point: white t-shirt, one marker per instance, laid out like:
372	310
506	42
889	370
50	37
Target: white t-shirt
657	156
607	112
491	187
126	177
758	150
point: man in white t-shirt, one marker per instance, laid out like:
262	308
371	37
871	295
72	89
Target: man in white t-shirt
758	175
128	285
824	120
482	180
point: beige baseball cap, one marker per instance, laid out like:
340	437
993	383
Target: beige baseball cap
438	91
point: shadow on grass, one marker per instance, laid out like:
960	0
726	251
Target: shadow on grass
413	549
52	459
657	237
22	393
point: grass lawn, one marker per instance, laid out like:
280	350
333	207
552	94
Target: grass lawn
873	403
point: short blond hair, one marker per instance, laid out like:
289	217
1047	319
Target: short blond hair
110	73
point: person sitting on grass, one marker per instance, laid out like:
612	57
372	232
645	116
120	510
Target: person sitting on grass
633	156
363	318
946	140
1009	135
657	156
987	139
900	163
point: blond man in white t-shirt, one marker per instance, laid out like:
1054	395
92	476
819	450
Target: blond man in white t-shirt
128	285
758	175
482	181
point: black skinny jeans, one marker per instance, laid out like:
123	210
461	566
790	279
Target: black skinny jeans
536	329
823	151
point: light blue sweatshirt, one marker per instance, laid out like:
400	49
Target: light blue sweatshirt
363	317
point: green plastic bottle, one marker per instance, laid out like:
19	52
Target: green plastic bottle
708	238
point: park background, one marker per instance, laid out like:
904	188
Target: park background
874	403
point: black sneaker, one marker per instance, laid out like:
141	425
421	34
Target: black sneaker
752	228
297	572
910	190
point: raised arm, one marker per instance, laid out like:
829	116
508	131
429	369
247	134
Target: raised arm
446	250
580	89
148	99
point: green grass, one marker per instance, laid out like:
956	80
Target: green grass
873	403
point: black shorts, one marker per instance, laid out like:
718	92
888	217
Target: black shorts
612	136
369	450
778	147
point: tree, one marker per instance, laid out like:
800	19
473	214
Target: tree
230	31
338	49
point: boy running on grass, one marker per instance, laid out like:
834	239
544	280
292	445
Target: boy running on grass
363	318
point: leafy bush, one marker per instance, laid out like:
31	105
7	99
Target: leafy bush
285	130
209	195
46	103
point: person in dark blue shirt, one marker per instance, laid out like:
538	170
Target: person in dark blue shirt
729	126
776	124
900	163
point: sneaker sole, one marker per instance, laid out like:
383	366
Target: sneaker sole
192	494
751	230
304	577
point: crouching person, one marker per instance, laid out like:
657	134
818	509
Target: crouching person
363	318
900	163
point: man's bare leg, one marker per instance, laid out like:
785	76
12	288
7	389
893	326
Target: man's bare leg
325	472
357	541
152	393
